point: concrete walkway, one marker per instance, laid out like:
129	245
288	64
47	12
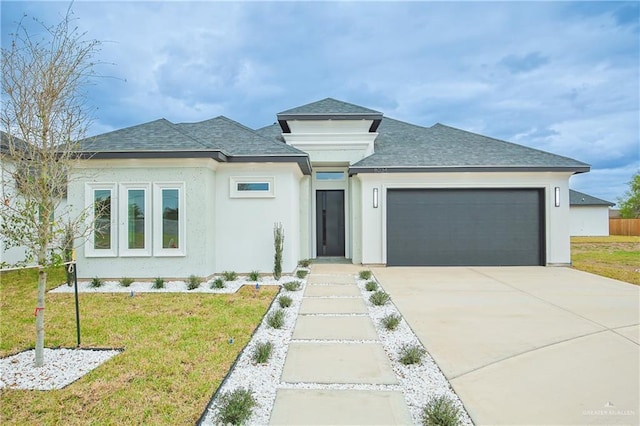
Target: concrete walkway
528	345
334	358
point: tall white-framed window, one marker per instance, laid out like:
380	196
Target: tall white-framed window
251	187
169	222
101	212
135	219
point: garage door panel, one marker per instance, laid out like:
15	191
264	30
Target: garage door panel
451	227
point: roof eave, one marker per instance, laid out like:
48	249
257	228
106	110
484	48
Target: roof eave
463	169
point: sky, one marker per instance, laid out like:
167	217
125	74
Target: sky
559	76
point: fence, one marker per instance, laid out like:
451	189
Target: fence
624	226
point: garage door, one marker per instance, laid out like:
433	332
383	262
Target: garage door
465	227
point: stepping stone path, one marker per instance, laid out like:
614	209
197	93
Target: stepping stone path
336	370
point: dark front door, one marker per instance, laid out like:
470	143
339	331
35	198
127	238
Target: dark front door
330	223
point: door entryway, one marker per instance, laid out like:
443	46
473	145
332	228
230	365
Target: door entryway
330	223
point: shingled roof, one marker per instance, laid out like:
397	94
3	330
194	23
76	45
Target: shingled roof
581	199
329	109
404	147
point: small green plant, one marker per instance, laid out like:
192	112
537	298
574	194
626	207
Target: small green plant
254	275
292	285
276	319
379	298
284	301
235	407
301	273
278	245
371	286
262	352
411	354
217	283
126	282
193	282
158	283
364	275
440	411
304	263
391	321
95	283
229	275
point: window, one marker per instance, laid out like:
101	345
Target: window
252	187
135	236
169	221
329	175
102	215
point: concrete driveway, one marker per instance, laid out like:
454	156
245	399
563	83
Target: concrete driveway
527	345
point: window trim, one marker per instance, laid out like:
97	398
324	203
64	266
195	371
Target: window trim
158	250
125	251
235	193
90	250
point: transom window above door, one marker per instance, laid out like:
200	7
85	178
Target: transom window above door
329	175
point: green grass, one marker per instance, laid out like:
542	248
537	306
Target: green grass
615	256
440	411
176	351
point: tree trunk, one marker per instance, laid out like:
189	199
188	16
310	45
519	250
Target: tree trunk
42	285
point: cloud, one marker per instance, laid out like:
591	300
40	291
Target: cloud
523	63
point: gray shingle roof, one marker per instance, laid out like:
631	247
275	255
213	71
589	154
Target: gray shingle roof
404	147
6	140
581	199
329	106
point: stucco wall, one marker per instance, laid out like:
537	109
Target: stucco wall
373	237
198	178
589	220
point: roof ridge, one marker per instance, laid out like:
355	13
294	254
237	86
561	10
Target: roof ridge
177	128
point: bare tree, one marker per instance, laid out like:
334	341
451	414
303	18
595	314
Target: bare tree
44	77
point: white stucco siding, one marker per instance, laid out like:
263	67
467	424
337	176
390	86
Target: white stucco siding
244	226
198	178
373	237
589	221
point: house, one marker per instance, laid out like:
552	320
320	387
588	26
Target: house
589	215
345	181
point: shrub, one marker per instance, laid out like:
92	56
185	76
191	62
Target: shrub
126	282
301	273
229	275
95	283
440	411
158	283
278	245
193	282
262	352
292	285
217	283
276	319
304	263
391	321
284	301
411	354
235	407
254	276
379	298
371	286
364	275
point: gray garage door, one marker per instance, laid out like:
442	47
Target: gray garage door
465	227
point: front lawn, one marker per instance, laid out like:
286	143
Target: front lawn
176	351
615	256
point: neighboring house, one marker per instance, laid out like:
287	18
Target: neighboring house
172	200
589	215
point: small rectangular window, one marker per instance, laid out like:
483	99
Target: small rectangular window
329	175
101	201
135	219
170	219
253	186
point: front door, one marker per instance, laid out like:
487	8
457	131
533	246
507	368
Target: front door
330	223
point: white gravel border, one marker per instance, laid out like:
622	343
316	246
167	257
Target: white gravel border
61	368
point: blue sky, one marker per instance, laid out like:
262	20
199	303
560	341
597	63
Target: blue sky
557	76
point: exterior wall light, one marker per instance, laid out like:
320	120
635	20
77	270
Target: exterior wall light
375	198
557	196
